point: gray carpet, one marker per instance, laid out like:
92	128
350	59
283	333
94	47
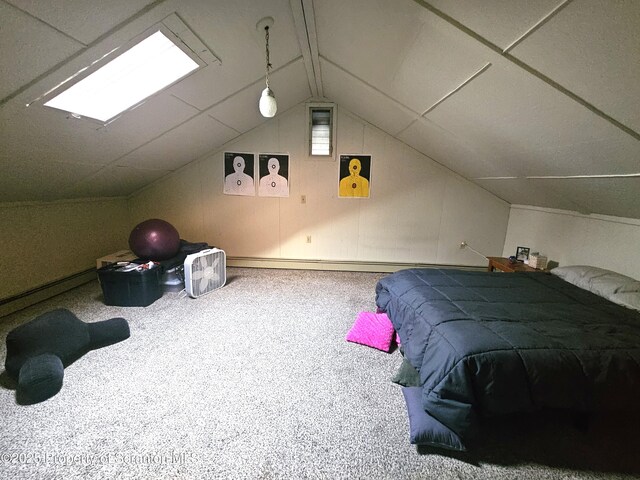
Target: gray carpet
256	380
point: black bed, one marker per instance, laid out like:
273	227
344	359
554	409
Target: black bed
488	344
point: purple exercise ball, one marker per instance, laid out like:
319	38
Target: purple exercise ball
154	239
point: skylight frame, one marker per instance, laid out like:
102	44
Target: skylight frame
113	55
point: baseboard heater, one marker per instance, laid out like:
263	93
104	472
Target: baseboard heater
31	297
338	265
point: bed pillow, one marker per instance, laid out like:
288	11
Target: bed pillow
633	286
372	329
423	428
574	273
407	376
627	299
607	283
604	283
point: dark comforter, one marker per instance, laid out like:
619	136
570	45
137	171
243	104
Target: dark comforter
497	343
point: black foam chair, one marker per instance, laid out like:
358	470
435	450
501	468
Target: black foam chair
39	350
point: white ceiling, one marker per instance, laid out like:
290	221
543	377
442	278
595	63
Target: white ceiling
488	88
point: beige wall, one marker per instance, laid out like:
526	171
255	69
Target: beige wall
418	210
573	239
43	242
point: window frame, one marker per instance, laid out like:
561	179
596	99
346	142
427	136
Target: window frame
310	107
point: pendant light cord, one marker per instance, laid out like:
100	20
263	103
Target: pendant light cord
266	36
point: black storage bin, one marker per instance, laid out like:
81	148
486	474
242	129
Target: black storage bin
130	289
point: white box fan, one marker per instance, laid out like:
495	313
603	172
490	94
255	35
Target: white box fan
205	271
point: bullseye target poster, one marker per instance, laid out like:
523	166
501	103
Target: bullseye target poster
355	176
239	173
273	171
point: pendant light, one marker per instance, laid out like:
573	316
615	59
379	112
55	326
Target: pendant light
268	106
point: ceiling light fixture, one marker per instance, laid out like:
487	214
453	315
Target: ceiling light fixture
268	106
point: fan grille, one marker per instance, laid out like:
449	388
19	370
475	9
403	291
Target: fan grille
207	272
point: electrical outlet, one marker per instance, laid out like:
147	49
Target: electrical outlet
308	238
303	199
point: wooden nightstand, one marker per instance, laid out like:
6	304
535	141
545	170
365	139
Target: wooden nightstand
503	264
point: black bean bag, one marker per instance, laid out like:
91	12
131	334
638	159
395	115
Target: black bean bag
39	350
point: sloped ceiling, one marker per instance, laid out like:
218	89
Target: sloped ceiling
512	95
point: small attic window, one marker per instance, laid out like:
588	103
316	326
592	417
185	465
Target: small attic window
146	68
321	129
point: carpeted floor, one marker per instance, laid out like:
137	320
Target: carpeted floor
255	380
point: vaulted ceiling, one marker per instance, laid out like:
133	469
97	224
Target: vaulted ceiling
537	102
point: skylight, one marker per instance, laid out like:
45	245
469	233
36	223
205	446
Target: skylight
148	67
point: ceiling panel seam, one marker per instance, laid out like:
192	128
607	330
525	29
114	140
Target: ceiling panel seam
38	19
595	216
252	84
224	124
563	177
175	95
578	207
458	88
96	174
62	201
404	129
114	162
417	115
612	175
77	183
529	69
539	24
75	55
432	107
216	150
402	105
435	160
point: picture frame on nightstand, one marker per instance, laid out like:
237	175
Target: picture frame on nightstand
522	254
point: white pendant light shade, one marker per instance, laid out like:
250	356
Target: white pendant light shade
268	106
